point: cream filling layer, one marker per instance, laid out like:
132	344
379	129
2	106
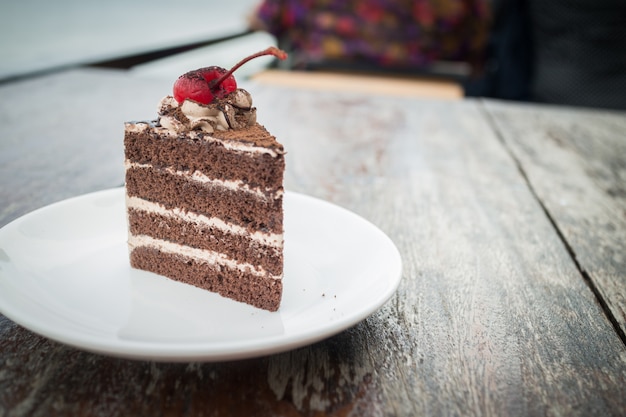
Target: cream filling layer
269	239
203	179
200	255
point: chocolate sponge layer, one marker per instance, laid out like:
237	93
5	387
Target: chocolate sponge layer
260	292
237	247
237	207
213	159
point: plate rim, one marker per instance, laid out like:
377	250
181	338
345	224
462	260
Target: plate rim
213	351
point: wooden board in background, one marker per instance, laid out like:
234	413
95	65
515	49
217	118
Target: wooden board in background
369	84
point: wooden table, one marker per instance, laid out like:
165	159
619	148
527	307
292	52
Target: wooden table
510	219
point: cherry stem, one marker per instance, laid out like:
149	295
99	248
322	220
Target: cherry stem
278	53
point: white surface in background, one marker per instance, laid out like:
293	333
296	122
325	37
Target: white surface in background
37	35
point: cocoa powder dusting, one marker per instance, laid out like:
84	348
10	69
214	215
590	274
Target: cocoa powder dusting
255	134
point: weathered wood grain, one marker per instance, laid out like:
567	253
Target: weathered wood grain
492	316
575	162
59	135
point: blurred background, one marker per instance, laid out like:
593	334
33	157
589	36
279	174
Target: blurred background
559	52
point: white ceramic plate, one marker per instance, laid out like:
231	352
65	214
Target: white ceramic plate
64	274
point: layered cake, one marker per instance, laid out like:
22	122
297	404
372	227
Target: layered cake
204	191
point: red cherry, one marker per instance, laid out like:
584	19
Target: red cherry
205	84
196	85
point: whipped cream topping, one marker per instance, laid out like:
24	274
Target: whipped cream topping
231	112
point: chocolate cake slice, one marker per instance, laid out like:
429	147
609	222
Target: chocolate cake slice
204	193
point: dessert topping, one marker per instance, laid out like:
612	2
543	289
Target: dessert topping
233	111
208	99
204	85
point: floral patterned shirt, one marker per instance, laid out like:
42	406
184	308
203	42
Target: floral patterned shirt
387	33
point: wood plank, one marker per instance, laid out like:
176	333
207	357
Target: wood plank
362	83
575	161
482	324
492	316
60	134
